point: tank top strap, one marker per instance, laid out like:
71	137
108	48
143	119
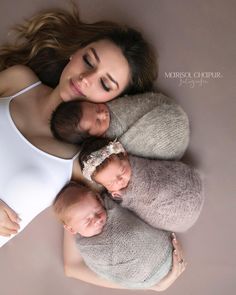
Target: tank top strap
75	156
26	89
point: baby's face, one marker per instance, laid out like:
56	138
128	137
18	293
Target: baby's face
115	176
87	217
95	118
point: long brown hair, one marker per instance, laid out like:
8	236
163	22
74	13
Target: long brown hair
45	42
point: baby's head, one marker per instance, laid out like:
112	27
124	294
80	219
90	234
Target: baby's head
75	120
106	163
80	210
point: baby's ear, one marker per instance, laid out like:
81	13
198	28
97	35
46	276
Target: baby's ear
69	229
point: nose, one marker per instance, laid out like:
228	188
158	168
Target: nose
102	115
122	181
87	77
120	178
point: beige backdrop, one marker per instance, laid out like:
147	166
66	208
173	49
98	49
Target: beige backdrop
190	36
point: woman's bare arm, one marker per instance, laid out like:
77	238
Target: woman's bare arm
15	79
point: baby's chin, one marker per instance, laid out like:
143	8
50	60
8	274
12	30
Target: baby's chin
93	233
118	190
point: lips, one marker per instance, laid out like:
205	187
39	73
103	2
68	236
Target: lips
75	88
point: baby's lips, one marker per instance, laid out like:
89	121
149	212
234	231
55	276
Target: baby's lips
116	194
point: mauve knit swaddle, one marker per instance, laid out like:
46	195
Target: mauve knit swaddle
149	125
165	194
128	251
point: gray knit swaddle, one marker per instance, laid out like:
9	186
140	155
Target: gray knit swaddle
165	194
149	125
128	251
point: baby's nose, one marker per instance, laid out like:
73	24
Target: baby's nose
102	115
122	181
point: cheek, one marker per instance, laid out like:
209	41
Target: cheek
98	95
92	230
114	187
128	174
87	231
99	179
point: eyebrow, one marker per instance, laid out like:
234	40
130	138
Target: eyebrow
98	60
114	81
95	54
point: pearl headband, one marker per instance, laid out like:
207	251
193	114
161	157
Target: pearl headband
97	157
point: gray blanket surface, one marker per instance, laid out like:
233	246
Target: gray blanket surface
149	125
165	194
128	251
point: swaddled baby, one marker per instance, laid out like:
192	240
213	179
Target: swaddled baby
113	242
148	124
165	194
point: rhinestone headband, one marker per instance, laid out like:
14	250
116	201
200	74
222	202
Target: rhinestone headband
96	158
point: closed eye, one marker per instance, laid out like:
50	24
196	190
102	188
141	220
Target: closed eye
87	61
104	86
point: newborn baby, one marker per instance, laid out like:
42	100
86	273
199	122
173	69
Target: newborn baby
80	210
165	194
148	125
74	121
116	245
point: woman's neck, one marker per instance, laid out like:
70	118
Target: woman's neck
48	102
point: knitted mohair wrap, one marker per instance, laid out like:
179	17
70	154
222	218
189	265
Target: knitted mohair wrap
149	125
128	251
165	194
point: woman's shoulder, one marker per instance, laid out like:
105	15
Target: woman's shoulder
16	78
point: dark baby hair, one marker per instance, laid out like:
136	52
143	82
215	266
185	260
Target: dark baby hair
65	120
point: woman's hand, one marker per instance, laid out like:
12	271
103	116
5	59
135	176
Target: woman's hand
178	266
9	220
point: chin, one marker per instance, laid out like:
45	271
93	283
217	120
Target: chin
95	233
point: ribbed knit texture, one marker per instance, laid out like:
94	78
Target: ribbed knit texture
165	194
149	125
128	251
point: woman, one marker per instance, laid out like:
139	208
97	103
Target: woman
28	112
102	68
46	42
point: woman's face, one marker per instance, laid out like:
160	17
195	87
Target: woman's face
115	176
98	72
95	118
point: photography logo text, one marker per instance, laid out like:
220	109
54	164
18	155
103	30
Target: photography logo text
193	79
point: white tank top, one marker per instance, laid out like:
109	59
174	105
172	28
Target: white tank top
29	178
